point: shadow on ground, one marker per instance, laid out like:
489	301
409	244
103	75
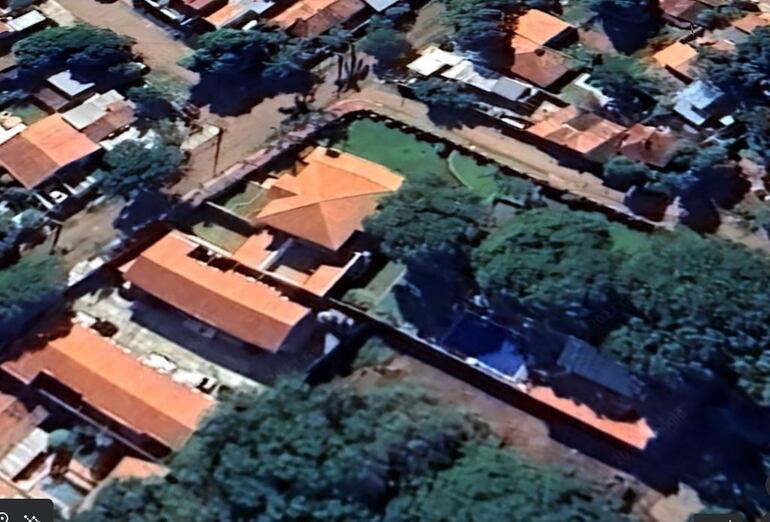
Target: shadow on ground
233	95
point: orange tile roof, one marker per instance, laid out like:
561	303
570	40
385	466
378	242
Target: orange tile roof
748	23
574	129
225	14
649	145
540	27
115	384
242	307
44	147
314	17
328	200
537	64
677	56
318	279
636	434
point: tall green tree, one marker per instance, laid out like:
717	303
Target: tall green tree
687	299
427	216
80	47
745	73
134	167
336	454
624	80
24	287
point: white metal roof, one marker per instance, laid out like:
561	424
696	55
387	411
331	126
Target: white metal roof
67	84
92	109
26	21
433	59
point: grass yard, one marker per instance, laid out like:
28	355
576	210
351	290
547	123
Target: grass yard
28	112
414	158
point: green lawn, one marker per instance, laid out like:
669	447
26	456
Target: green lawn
28	112
481	179
394	149
406	154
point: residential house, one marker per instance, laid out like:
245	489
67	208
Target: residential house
678	59
535	32
90	377
498	89
212	289
327	201
70	87
578	131
44	149
102	115
294	262
650	145
700	103
239	12
538	65
312	18
544	29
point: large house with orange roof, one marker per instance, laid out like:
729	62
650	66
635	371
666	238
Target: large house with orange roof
122	415
327	202
215	290
43	149
85	373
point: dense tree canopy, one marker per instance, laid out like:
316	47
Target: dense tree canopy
427	215
232	51
745	73
622	173
79	47
384	41
623	79
24	286
336	454
687	299
134	167
443	94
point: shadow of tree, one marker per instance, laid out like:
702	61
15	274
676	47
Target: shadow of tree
235	94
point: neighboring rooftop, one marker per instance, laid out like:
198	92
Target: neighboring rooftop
537	64
541	28
650	145
115	384
583	132
311	18
328	200
40	150
678	58
225	299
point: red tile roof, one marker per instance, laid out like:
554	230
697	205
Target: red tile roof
583	132
311	18
240	306
649	145
329	199
44	147
115	384
541	27
537	64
